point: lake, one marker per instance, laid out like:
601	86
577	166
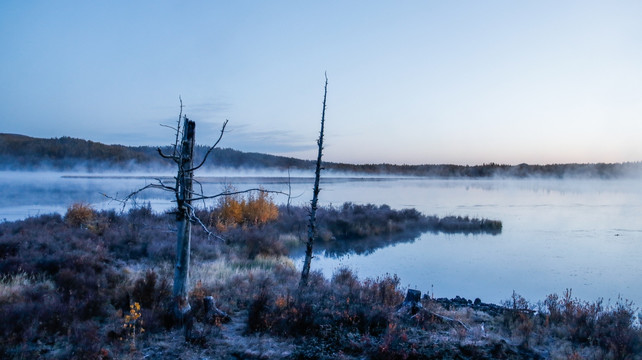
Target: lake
585	235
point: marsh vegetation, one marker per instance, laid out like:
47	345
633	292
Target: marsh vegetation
96	284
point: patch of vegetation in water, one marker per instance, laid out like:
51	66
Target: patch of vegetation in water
361	229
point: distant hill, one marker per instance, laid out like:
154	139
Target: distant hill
19	152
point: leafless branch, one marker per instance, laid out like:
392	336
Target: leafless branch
169	127
211	147
229	193
200	222
160	152
178	126
160	185
128	197
200	185
111	198
163	186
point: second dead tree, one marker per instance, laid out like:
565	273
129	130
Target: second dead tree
312	230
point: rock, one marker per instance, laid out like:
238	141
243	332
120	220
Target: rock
459	302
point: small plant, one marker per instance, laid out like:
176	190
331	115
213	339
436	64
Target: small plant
80	214
259	313
394	345
133	324
518	317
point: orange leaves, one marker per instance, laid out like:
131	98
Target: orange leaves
79	214
133	323
282	302
134	315
260	209
231	210
234	210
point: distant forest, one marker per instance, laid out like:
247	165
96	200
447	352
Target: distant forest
19	152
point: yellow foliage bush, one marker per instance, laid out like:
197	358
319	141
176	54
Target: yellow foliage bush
79	214
233	210
260	209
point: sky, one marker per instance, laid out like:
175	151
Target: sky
409	82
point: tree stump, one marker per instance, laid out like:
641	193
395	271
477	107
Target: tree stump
213	313
412	303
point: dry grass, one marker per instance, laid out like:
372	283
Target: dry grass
217	272
12	287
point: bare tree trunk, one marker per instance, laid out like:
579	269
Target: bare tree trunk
312	229
183	217
183	156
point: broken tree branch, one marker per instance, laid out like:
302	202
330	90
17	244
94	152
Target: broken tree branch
178	127
204	227
172	157
229	193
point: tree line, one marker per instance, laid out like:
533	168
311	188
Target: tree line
19	152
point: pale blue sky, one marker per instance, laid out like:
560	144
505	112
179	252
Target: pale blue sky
462	82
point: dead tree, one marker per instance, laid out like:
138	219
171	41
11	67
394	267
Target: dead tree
185	195
183	156
312	226
184	187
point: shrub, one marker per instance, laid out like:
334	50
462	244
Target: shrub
259	209
79	214
327	309
262	242
234	210
150	292
611	327
85	339
615	331
518	317
259	313
384	290
229	212
394	345
63	281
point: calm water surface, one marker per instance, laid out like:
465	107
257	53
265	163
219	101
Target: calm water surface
585	235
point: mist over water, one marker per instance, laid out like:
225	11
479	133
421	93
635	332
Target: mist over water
557	234
34	193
